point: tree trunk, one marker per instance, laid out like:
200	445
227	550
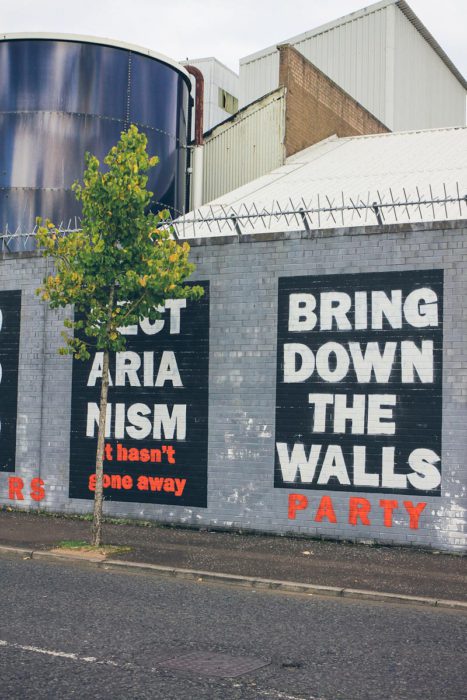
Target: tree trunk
96	533
96	536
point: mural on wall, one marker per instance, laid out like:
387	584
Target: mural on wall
10	316
359	384
157	418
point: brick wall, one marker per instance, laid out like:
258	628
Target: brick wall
316	106
244	278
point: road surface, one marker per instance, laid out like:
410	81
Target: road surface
71	631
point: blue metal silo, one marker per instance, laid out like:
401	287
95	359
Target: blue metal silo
61	96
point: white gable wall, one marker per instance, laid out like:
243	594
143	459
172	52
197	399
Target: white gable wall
425	90
381	60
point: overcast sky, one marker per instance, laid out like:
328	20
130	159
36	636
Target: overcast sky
226	29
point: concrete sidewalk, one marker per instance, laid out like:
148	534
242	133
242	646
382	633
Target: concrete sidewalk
394	570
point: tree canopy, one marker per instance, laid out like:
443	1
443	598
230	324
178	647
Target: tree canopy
123	263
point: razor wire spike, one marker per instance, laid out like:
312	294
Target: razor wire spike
419	201
406	203
393	204
356	208
432	204
330	208
445	198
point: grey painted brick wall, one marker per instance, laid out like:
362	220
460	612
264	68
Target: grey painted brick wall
243	275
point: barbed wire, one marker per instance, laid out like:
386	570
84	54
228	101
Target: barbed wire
299	215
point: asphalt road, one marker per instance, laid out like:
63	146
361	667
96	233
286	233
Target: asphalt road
69	631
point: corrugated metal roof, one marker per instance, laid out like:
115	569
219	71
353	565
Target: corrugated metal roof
382	168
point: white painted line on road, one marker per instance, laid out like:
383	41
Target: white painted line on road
59	654
270	693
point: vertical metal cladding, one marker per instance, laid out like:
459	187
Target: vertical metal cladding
60	98
246	147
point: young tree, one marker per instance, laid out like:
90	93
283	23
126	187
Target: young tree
120	267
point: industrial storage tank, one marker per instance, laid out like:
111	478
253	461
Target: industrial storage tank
63	95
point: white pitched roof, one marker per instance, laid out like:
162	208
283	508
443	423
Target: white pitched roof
342	172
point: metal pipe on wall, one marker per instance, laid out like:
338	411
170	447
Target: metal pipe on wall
197	161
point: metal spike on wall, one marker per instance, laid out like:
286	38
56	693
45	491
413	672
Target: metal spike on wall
371	208
19	241
374	208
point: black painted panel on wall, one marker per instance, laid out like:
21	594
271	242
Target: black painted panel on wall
10	318
153	454
359	382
